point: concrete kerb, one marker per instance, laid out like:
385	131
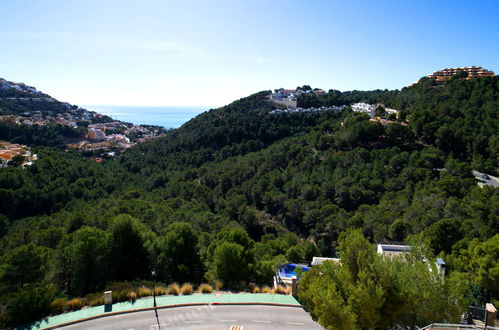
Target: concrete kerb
170	306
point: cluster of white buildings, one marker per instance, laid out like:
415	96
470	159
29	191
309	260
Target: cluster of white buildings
287	275
96	134
118	133
99	134
144	133
10	150
286	97
390	251
307	110
370	109
137	129
70	117
289	97
20	87
365	108
99	140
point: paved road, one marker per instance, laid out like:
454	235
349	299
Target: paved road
486	179
207	317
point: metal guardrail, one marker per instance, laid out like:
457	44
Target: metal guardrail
456	326
478	313
278	278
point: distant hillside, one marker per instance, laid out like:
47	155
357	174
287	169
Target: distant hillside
457	116
238	128
21	99
30	117
13	89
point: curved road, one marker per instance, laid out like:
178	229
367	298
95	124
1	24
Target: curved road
208	317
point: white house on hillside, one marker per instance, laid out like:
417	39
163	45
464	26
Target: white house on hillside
320	260
364	107
393	250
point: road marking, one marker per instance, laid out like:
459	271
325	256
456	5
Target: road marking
261	321
227	320
156	326
193	321
295	323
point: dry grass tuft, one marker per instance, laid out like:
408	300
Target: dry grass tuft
174	289
266	289
94	299
144	292
186	289
160	290
219	285
75	304
205	288
279	290
255	289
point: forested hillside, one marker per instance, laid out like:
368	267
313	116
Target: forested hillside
236	191
459	117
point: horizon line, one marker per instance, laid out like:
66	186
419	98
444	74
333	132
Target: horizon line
148	106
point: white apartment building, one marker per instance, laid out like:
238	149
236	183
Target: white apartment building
364	107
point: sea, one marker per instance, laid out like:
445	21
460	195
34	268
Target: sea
168	117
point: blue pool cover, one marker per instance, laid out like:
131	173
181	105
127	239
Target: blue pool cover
288	270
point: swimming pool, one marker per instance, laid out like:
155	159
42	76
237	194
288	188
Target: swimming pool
288	270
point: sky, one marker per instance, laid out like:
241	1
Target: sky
210	53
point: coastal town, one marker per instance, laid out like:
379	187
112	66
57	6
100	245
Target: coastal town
95	134
120	136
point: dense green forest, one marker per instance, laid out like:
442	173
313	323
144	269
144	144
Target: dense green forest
236	191
50	135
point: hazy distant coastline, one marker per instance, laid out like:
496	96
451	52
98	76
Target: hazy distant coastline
169	117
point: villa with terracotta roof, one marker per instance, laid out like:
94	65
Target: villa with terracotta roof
9	150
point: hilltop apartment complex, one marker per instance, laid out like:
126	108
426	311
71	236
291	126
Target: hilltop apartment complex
472	71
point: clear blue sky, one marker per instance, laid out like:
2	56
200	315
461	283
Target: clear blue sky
209	53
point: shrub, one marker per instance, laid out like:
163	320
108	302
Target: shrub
29	304
243	285
186	289
174	289
96	302
58	305
133	296
219	285
121	290
144	292
205	288
75	304
279	290
95	299
266	289
255	289
115	286
120	295
160	290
